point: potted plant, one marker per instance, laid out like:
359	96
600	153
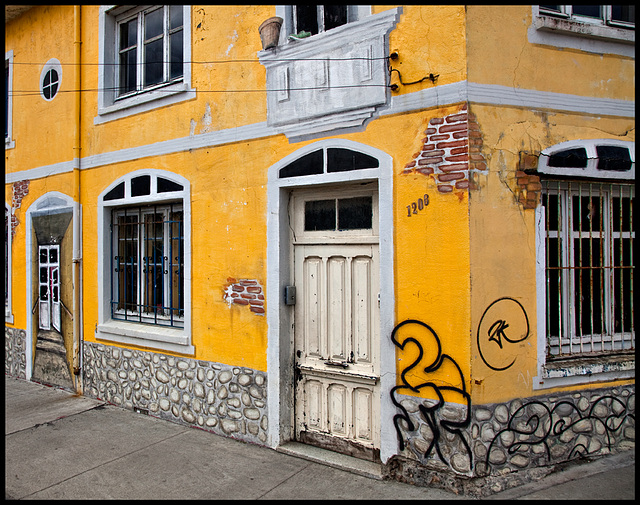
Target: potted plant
270	32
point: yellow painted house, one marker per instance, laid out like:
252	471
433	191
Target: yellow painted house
400	233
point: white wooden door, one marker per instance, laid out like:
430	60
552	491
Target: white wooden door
336	335
49	287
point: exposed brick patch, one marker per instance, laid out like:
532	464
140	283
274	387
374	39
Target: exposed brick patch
528	186
20	189
451	151
245	292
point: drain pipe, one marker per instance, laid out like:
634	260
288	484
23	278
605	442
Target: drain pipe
77	228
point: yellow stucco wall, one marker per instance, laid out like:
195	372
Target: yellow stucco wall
499	53
458	255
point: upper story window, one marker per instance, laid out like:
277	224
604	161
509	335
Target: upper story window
145	58
319	18
150	48
8	103
591	28
50	79
614	15
333	76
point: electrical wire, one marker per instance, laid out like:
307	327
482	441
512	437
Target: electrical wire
350	58
20	93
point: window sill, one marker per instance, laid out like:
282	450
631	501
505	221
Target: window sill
568	26
145	335
586	369
9	144
145	101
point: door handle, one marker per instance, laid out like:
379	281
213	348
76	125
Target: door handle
342	364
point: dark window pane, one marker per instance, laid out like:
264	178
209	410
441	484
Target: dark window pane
44	276
116	193
623	13
176	55
550	7
307	18
153	24
309	164
128	77
153	63
128	34
613	158
320	215
53	255
570	158
175	16
355	213
334	15
165	185
586	213
141	185
592	11
343	160
621	213
44	293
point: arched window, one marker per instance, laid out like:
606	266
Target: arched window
146	256
328	160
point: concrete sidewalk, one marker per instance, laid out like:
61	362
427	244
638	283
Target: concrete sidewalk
62	446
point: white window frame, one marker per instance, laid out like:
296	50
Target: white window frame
9	142
167	338
287	13
561	29
52	64
112	106
8	314
609	364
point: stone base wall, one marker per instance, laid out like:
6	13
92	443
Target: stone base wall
15	352
479	450
230	401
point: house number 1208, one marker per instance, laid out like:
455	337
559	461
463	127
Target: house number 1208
418	205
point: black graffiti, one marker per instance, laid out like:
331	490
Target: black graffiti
430	414
536	424
497	331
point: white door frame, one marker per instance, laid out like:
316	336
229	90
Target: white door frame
280	364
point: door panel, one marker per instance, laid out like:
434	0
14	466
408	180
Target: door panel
336	335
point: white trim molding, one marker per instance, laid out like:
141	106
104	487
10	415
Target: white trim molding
439	96
9	141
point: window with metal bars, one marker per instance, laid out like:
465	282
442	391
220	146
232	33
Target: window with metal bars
589	240
147	265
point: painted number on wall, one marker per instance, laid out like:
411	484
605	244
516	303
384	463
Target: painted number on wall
418	205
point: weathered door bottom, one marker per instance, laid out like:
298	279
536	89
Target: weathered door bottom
341	445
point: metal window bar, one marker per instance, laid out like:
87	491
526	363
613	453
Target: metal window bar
147	274
589	267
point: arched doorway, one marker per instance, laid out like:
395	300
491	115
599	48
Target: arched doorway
329	231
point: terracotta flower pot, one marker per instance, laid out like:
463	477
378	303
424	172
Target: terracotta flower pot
270	32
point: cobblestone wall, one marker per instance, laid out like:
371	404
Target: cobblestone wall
227	400
488	448
15	349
